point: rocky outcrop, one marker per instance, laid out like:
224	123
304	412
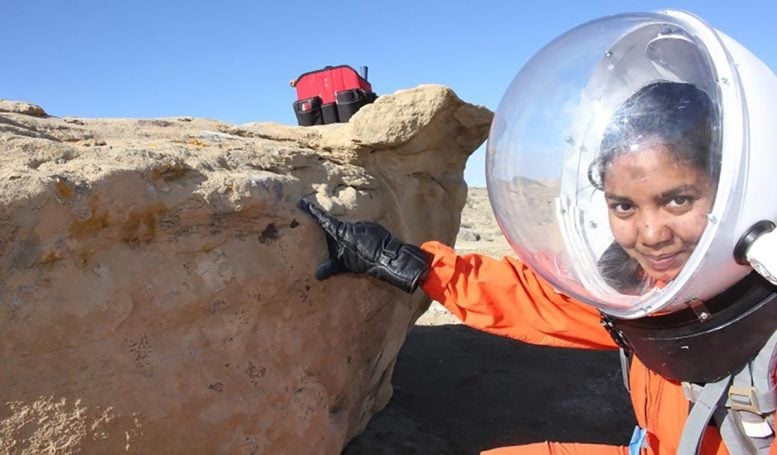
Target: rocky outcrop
156	278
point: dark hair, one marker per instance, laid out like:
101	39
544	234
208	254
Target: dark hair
678	115
675	114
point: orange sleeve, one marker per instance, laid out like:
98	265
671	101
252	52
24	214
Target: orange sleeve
506	298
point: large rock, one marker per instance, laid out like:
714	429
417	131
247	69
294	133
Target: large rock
156	278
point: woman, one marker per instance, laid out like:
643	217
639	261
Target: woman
659	179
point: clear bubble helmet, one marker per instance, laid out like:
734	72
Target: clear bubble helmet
553	150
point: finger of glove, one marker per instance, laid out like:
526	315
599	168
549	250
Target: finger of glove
325	220
328	268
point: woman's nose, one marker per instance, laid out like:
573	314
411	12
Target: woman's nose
654	232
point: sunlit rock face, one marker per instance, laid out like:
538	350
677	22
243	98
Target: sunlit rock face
156	278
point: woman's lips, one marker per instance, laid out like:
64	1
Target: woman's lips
661	263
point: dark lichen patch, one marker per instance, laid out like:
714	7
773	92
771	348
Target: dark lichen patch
269	234
255	374
140	349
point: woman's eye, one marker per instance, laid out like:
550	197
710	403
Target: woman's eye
622	208
679	201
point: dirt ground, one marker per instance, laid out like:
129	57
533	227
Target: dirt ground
461	391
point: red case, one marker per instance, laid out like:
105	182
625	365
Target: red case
326	82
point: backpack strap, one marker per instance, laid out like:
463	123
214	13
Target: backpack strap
752	400
763	367
745	410
743	428
709	398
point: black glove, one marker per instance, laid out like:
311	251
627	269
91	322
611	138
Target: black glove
365	247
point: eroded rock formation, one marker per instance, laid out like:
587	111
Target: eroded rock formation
156	279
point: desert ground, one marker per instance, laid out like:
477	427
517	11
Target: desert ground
460	391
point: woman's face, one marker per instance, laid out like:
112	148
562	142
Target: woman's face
657	207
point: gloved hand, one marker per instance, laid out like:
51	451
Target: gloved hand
366	247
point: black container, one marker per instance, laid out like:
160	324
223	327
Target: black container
329	113
308	111
350	101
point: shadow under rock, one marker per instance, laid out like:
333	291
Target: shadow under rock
460	391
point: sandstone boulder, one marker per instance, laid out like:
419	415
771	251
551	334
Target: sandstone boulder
156	278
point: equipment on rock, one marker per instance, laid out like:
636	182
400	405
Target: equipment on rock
330	95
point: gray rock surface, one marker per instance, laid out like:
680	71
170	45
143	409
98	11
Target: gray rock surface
156	290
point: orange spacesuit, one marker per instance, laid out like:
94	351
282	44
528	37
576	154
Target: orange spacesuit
507	298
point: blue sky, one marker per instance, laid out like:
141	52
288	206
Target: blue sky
232	61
